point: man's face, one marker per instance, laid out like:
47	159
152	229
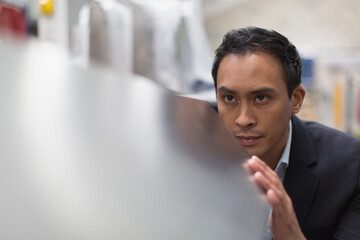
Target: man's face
253	101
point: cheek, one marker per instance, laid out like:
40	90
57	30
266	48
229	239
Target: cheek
282	111
278	120
287	111
227	117
276	117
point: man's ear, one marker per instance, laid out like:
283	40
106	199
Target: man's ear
297	99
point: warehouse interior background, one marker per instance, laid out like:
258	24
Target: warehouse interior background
324	31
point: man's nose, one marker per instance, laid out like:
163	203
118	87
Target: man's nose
245	117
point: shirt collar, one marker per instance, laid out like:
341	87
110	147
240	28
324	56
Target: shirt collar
284	159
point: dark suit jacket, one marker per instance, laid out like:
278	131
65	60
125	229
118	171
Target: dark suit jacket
323	181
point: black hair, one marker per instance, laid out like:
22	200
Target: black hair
252	40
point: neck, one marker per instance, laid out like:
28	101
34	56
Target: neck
272	163
273	159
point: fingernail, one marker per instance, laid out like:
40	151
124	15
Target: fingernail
255	161
252	161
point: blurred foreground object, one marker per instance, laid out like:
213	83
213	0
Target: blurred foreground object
87	155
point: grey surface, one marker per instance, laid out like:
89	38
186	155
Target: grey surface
93	155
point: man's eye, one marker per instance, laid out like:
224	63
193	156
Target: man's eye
229	98
261	98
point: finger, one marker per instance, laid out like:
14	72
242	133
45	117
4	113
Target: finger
267	179
262	181
273	194
268	183
257	165
252	180
267	171
251	176
262	190
273	197
247	168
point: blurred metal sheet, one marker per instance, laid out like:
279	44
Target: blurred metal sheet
93	155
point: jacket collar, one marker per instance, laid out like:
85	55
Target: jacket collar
300	182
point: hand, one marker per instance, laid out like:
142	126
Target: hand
283	221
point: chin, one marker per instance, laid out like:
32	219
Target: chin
251	152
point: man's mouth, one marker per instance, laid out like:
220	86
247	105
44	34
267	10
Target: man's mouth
248	141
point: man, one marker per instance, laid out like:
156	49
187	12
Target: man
310	173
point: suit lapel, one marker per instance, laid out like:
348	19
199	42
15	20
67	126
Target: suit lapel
300	182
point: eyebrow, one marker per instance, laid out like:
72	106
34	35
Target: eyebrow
256	91
263	90
226	90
